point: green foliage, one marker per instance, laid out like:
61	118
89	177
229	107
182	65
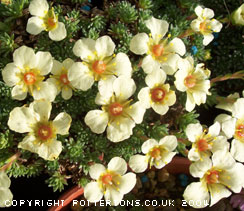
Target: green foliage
57	182
121	20
186	119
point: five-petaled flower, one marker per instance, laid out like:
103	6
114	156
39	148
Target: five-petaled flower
42	132
45	19
60	78
117	112
204	143
217	177
233	126
193	81
111	182
160	52
26	74
5	193
205	24
158	154
99	64
157	95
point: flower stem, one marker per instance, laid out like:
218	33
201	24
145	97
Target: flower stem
10	161
236	75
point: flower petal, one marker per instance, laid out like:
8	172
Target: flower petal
104	46
6	197
19	92
124	87
4	180
80	77
66	93
44	62
46	91
121	65
228	127
117	165
238	110
193	154
92	192
58	33
160	108
42	108
157	27
202	194
138	44
62	123
38	7
223	160
105	86
136	112
35	25
199	10
29	144
96	170
127	183
216	25
20	119
171	64
218	191
200	167
9	74
207	13
57	68
113	196
138	163
144	97
157	76
84	48
119	131
147	145
149	64
50	150
193	130
176	46
97	120
24	57
214	129
103	99
207	39
190	103
237	150
220	143
169	142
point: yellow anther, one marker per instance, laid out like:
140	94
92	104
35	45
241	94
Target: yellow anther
150	35
114	55
169	35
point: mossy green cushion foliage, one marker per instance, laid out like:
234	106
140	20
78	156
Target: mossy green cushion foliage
121	20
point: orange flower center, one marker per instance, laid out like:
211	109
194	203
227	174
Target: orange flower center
64	79
157	50
115	109
107	179
51	22
190	81
240	131
212	177
44	132
29	78
155	153
157	94
203	26
99	67
202	145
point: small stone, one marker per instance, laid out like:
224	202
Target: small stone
163	175
183	180
151	174
144	178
